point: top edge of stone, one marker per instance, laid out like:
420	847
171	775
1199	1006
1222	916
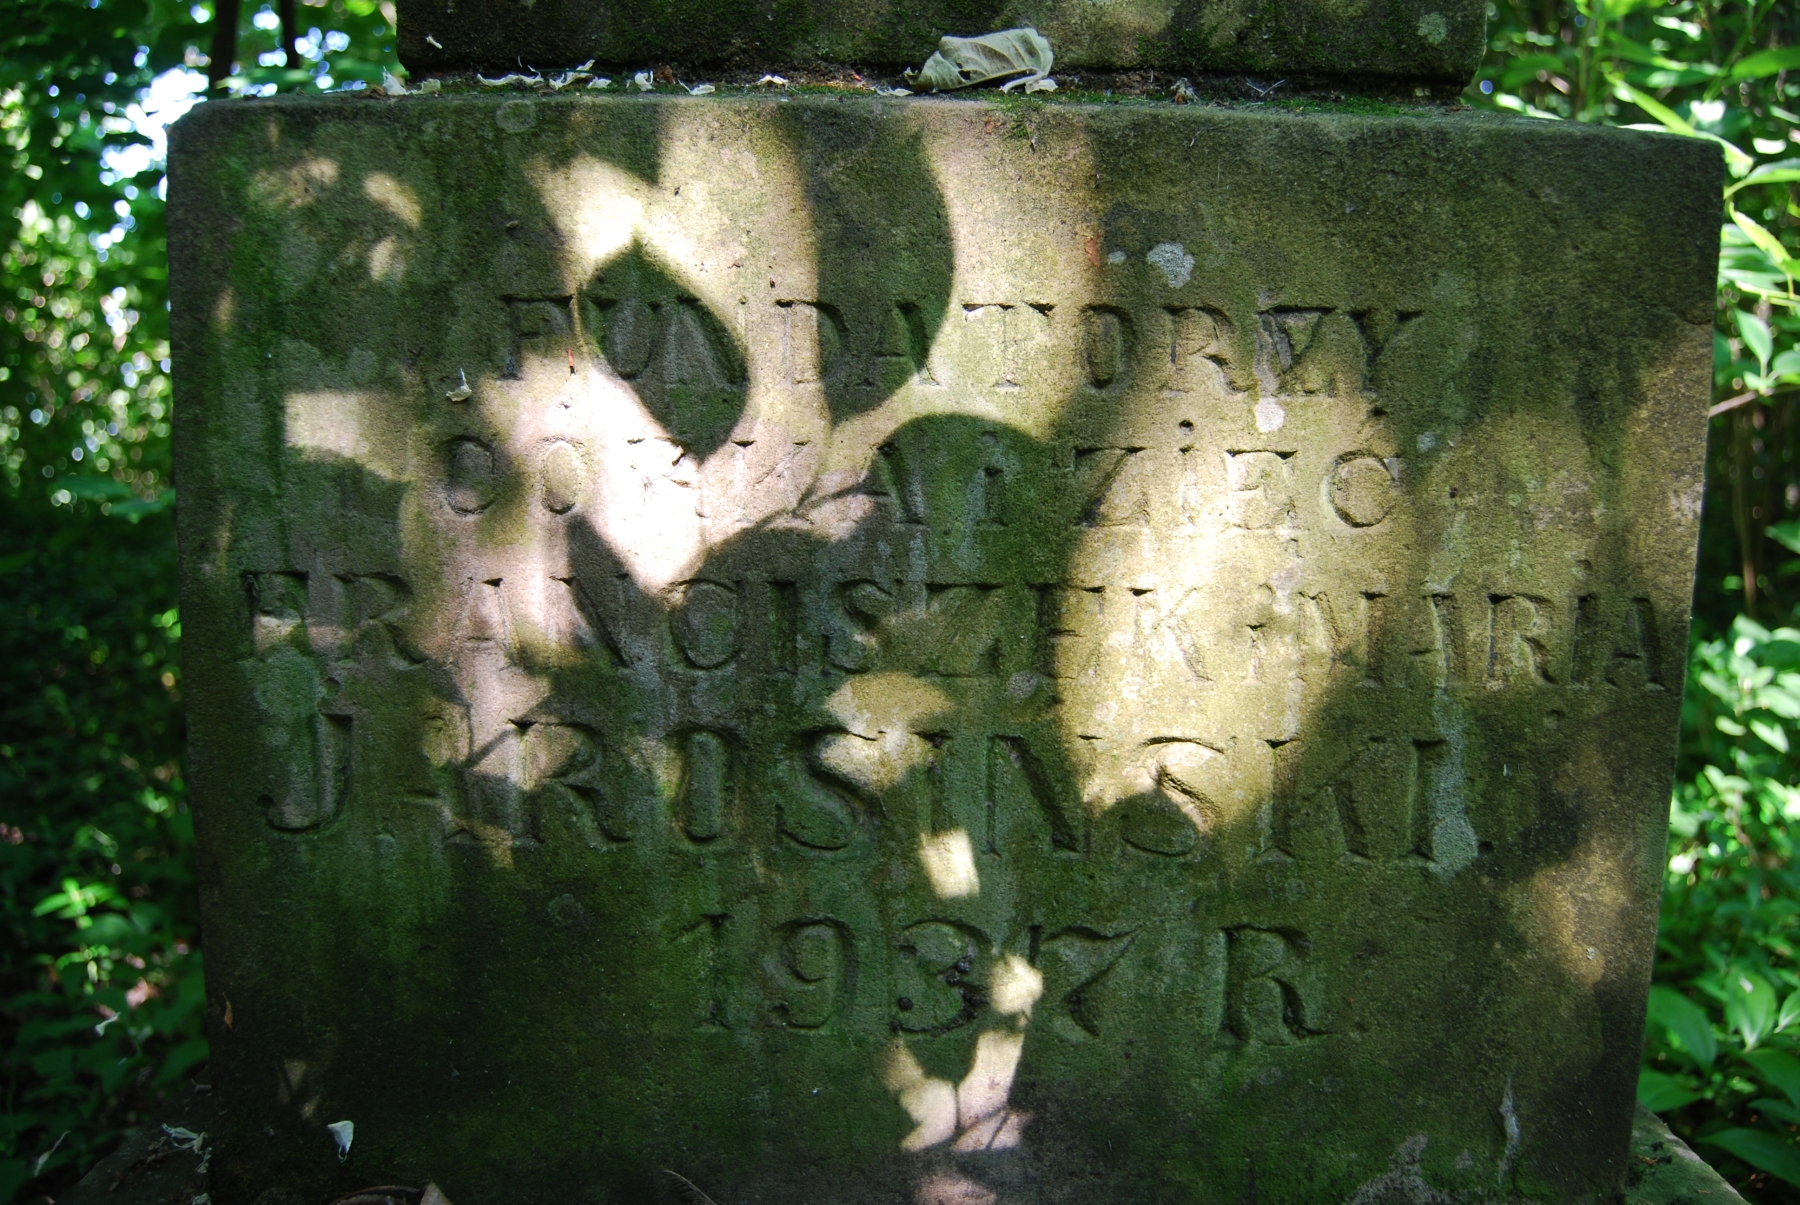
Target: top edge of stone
1428	41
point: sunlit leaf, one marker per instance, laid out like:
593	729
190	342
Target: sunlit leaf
1790	1013
1770	733
1750	1006
1783	171
1767	243
1736	158
1766	62
1756	335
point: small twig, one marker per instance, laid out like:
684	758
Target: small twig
1732	403
693	1187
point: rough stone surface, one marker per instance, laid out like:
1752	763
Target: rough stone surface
1664	1171
867	651
149	1169
1427	40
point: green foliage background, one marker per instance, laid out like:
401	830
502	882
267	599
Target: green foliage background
100	971
100	978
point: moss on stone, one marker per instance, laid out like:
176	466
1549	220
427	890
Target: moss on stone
1264	537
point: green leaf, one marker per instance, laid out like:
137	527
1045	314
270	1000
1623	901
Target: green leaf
1736	158
1729	726
138	508
1790	1012
1756	336
1778	1068
1659	1093
1783	171
1682	822
1670	119
14	1173
1526	67
1674	77
184	1056
1786	534
1780	1110
1765	242
1761	1150
1766	62
1750	1005
1786	363
1771	734
1686	1022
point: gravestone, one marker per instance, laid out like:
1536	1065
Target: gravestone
854	649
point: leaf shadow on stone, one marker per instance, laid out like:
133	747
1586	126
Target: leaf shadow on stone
884	243
492	970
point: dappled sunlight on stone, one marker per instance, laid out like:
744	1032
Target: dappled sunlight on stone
658	504
1015	986
931	1103
974	1112
949	862
393	196
299	184
387	259
882	702
982	1095
953	1190
783	638
340	423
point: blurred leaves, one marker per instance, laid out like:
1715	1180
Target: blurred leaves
101	989
1722	1053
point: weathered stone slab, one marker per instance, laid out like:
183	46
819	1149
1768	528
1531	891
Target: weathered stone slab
1664	1171
1438	41
875	650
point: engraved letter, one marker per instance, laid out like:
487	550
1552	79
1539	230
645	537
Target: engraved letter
812	970
1265	981
1518	629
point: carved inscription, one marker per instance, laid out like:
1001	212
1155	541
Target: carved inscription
812	969
1262	489
305	729
1364	489
1076	963
707	791
1269	996
937	989
1080	705
945	975
705	623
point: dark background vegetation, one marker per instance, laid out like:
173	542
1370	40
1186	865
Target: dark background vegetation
100	965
